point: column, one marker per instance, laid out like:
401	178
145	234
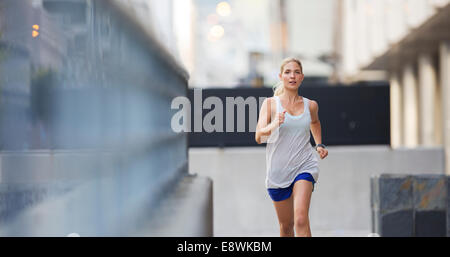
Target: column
427	99
410	107
444	59
396	110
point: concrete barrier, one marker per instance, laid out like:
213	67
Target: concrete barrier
187	210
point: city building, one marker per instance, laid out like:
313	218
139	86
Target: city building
408	43
242	42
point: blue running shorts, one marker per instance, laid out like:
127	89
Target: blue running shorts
280	194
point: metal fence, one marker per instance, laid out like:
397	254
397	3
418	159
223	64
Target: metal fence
85	139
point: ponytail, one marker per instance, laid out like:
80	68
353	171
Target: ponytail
278	89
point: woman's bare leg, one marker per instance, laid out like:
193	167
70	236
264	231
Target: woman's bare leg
285	213
301	198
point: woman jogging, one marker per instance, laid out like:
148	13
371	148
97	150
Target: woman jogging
285	122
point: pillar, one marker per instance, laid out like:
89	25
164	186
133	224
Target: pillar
444	59
396	110
427	99
410	107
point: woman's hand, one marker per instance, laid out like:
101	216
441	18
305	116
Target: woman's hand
279	118
322	152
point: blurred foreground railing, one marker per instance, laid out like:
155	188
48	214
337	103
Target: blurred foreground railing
85	139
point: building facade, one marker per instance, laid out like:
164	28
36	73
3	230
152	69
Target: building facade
407	43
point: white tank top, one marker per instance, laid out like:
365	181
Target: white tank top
289	151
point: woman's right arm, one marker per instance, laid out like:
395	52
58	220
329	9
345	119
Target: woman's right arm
265	124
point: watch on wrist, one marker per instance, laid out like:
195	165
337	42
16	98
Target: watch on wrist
320	145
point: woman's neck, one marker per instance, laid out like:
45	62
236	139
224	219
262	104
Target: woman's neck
290	96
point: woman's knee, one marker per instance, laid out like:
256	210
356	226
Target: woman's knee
301	219
287	226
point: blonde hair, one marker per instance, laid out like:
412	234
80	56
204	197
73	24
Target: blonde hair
278	89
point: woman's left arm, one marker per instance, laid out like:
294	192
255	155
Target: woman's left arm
316	129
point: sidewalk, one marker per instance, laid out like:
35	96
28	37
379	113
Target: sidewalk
340	204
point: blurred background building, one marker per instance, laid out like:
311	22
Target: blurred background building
241	43
407	43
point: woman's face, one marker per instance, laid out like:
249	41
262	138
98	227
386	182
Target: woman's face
291	76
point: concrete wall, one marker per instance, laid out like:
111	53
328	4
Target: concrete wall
340	204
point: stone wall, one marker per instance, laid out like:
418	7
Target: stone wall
410	205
